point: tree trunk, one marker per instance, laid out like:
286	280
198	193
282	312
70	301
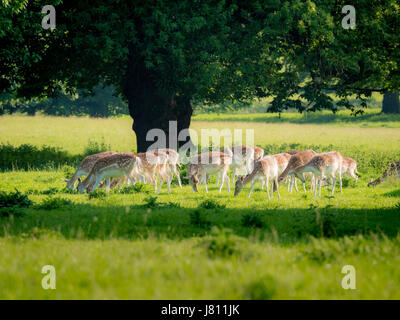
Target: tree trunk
391	103
152	108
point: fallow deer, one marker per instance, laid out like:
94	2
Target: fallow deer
209	163
349	166
323	164
112	166
392	171
265	169
153	167
85	166
172	159
242	159
295	161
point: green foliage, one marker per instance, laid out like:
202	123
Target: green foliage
99	193
14	199
51	203
221	243
198	218
253	220
261	289
10	212
211	204
150	202
96	147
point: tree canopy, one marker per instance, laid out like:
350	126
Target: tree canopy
163	55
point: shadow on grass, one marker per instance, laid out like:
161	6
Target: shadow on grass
84	221
394	193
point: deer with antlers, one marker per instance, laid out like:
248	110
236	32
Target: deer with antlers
266	170
112	166
85	166
322	165
209	163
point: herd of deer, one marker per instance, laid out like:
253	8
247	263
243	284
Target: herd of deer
112	169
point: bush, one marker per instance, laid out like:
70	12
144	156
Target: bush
53	203
150	202
211	204
252	220
14	199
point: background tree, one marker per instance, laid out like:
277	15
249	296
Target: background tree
162	56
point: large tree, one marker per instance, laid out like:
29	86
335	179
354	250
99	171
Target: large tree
164	55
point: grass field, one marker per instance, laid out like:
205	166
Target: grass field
134	244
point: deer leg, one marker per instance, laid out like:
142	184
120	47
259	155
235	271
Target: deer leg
222	182
175	170
205	181
267	187
251	188
277	188
228	182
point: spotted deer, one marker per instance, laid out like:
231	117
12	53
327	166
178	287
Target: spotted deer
172	159
112	166
85	166
322	165
349	167
296	160
242	160
155	167
392	171
265	169
209	163
282	160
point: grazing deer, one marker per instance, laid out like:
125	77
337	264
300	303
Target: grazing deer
172	159
329	163
242	159
85	166
265	169
209	163
113	166
282	160
349	166
295	161
153	167
393	170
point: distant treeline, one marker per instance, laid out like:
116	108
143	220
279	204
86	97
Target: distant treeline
101	103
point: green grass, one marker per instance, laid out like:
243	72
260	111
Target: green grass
138	245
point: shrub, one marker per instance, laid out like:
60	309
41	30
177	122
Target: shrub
211	204
150	202
14	199
53	203
253	220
